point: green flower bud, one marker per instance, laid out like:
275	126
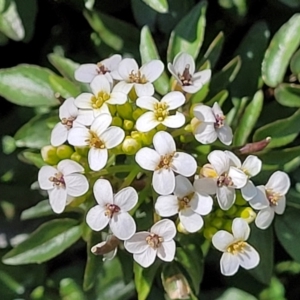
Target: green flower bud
228	225
217	222
147	137
132	94
220	212
112	109
231	211
248	214
186	138
76	157
117	121
83	151
125	111
64	151
208	232
49	155
130	146
128	125
240	200
137	113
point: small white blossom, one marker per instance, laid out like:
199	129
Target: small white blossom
141	79
220	178
113	210
210	124
102	95
251	167
183	69
62	183
236	252
164	161
187	202
160	111
100	137
270	199
107	67
159	241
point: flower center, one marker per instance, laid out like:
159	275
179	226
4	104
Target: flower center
111	209
97	101
184	202
58	180
154	240
165	161
219	121
137	77
68	122
237	247
102	69
186	77
161	111
273	197
224	179
94	141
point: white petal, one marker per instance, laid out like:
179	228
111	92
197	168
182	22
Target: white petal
112	137
184	164
164	143
117	98
205	133
279	182
249	191
145	89
152	70
225	134
206	185
85	117
112	62
226	197
97	158
68	109
100	84
252	165
146	258
264	218
123	87
184	60
201	203
163	181
201	77
183	186
43	177
126	198
164	228
219	161
137	243
146	122
222	240
96	218
234	160
68	166
240	229
78	136
76	184
58	199
122	225
86	73
204	113
190	220
84	101
146	102
147	158
59	134
217	110
173	99
166	251
101	123
174	73
126	67
167	206
174	121
280	207
103	192
259	201
239	178
229	264
249	259
193	88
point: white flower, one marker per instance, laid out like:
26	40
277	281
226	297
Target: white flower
113	210
70	117
187	202
270	199
108	67
210	124
160	111
62	183
220	178
251	167
159	241
100	137
183	69
236	252
164	161
141	79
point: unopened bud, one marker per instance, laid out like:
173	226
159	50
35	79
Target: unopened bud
117	121
64	151
255	147
49	155
131	146
83	151
128	125
208	232
137	113
125	111
248	214
217	222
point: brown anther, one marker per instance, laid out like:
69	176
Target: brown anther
165	161
58	180
237	247
186	77
185	201
224	179
219	121
68	122
102	69
137	77
154	240
111	209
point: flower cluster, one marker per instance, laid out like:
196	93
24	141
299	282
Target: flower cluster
122	114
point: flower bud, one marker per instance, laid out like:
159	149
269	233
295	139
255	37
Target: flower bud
181	228
137	113
186	138
82	151
76	157
208	232
248	214
240	201
117	121
108	248
147	137
125	111
231	211
130	146
49	155
64	151
112	109
128	125
217	222
228	225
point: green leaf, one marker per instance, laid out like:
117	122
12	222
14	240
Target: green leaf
144	278
41	209
188	35
32	158
291	3
160	6
236	294
27	85
263	242
288	94
249	119
287	228
63	86
148	52
295	63
284	43
220	98
282	131
69	290
48	241
275	290
251	51
144	14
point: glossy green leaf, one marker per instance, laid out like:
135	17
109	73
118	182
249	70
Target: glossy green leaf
33	158
282	131
70	290
275	290
284	43
41	209
63	86
4	5
188	35
295	63
148	52
220	98
144	14
160	6
287	228
48	241
31	86
288	94
249	119
251	51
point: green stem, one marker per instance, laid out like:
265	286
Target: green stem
127	181
178	132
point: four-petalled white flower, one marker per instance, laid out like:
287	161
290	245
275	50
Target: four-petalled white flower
159	241
100	137
210	124
270	199
187	202
164	161
236	252
160	111
183	69
63	183
113	210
